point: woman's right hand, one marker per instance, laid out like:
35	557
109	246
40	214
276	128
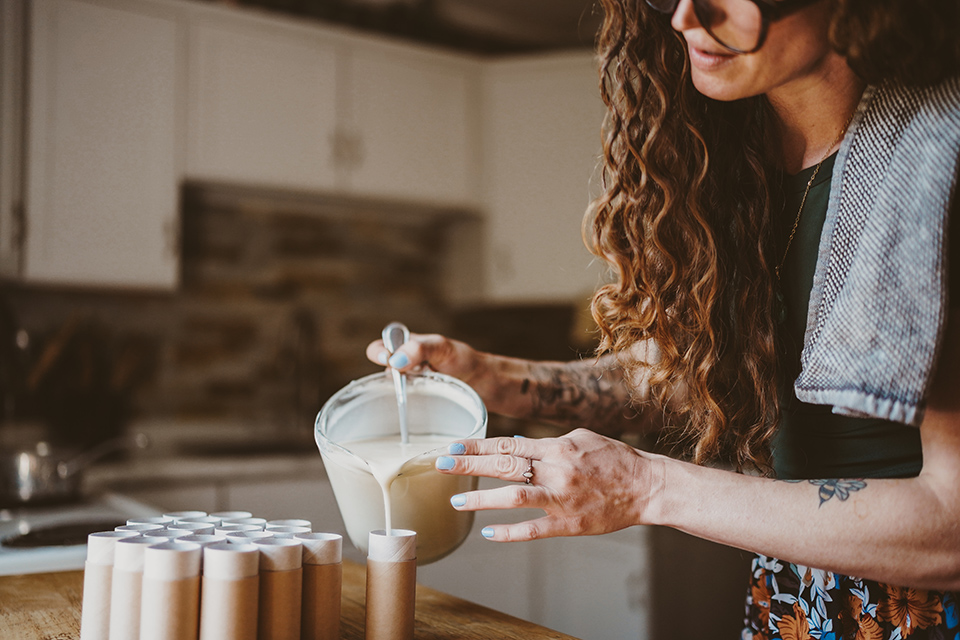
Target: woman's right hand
433	352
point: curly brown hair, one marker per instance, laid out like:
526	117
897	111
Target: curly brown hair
685	218
912	42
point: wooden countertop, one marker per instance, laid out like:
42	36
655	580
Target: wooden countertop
46	606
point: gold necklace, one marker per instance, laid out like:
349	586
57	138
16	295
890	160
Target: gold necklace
806	192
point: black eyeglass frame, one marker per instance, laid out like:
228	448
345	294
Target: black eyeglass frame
770	11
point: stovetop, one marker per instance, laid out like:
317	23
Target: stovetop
53	538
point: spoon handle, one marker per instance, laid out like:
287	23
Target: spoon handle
394	335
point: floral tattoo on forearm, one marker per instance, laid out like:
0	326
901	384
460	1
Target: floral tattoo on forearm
835	488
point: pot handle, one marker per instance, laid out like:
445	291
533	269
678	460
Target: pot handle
67	468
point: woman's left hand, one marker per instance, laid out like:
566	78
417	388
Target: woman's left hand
586	483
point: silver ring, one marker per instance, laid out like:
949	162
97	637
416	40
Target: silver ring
528	474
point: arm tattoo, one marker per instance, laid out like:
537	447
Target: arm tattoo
580	393
840	489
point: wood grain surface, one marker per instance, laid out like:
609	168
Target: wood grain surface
46	606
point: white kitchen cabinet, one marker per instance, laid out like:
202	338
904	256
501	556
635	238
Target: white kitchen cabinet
280	103
262	101
541	153
103	160
412	115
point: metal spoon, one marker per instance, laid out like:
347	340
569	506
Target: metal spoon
394	335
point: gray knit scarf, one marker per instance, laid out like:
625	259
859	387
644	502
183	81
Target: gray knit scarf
879	299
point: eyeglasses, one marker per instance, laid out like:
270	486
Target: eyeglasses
739	25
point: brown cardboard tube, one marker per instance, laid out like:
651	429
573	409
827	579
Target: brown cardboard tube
127	587
98	582
229	610
125	604
290	522
281	588
170	609
279	606
322	585
391	600
229	592
177	515
320	613
170	603
246	537
391	585
231	515
95	615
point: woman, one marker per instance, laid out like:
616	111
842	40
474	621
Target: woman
788	319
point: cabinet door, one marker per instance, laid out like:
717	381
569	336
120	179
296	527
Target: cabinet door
102	169
12	38
541	148
261	102
412	117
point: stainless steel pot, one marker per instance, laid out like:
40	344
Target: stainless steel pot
43	473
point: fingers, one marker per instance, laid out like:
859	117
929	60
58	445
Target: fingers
507	497
377	353
409	355
522	496
545	527
504	467
516	446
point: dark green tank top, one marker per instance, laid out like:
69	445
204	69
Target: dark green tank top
812	441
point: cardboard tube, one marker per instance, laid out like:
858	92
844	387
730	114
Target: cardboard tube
170	604
281	588
290	522
224	529
127	586
247	537
322	586
202	520
391	585
202	539
228	515
199	528
98	583
260	522
176	515
151	520
229	592
139	528
287	532
171	534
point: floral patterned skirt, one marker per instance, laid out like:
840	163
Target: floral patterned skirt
791	602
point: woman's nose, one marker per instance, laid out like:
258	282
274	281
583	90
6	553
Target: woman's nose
684	17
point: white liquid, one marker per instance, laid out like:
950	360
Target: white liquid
399	488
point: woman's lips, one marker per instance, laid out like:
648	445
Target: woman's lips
708	59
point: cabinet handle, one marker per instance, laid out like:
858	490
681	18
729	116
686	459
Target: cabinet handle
347	149
19	228
171	238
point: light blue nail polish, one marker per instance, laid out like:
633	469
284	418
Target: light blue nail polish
456	449
486	532
383	356
399	360
445	463
458	500
519	436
